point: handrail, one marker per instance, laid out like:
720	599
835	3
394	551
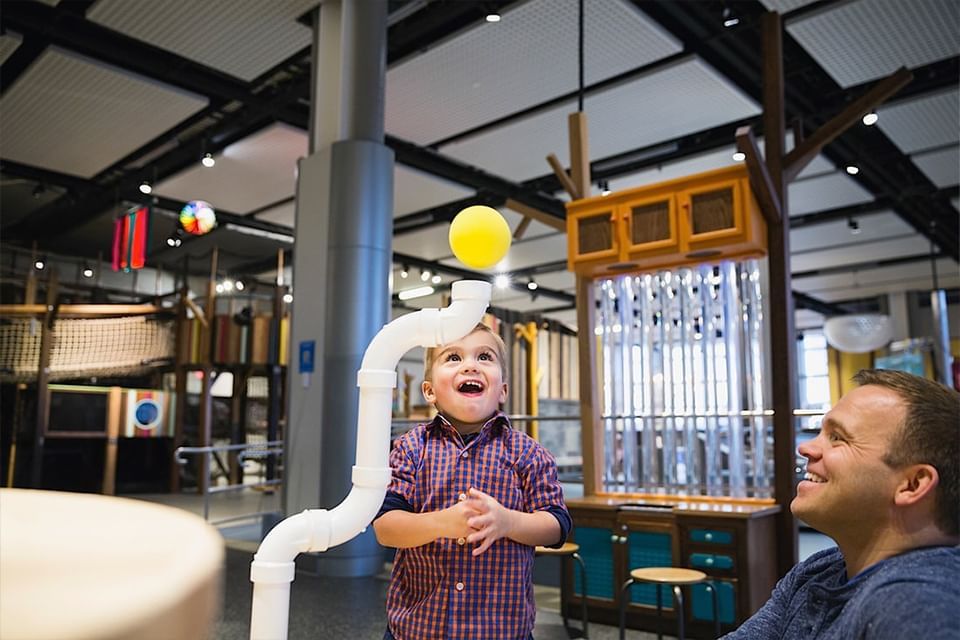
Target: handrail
269	448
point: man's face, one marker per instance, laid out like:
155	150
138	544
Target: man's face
847	485
467	385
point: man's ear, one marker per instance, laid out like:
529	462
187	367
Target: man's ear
918	482
427	390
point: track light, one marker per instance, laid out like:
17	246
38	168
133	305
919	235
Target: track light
146	188
532	285
853	169
239	285
40	263
871	118
739	156
288	298
502	281
604	187
853	225
729	18
404	271
493	17
436	279
425	275
208	160
87	271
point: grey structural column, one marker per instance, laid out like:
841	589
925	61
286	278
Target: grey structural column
342	262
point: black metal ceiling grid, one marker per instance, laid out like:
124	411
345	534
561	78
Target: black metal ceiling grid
281	94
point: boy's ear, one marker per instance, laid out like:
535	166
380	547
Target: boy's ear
503	393
427	390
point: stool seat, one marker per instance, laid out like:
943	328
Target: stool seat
568	548
668	575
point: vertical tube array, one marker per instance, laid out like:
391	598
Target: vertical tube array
683	390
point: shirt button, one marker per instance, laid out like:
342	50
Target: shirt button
462	497
461	541
466	454
459	586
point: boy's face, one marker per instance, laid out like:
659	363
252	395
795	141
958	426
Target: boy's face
467	381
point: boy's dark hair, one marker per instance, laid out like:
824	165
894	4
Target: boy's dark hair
929	434
501	353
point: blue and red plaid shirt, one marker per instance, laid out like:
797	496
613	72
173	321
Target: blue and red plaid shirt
439	590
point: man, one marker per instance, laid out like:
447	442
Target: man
883	480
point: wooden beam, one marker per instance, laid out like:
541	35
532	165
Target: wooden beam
579	152
80	310
563	176
783	346
536	214
759	176
197	311
803	153
522	227
591	427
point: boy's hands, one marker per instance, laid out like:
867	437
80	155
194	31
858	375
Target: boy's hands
491	521
455	520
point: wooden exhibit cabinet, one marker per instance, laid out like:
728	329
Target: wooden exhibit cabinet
707	216
731	543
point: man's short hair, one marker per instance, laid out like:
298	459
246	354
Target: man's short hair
501	353
929	434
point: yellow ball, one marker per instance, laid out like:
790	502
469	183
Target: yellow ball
479	236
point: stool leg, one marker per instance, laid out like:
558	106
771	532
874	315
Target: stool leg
583	592
624	592
659	613
563	592
678	594
715	597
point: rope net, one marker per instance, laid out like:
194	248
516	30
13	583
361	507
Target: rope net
85	347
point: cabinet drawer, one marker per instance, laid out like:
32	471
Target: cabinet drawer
711	561
701	602
711	536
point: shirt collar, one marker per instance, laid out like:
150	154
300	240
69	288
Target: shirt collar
493	426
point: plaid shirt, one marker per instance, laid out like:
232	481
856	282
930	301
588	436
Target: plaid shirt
439	590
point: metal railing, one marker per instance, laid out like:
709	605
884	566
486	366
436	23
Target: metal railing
261	449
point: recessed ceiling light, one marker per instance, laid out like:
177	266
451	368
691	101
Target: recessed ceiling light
145	188
208	160
870	119
853	169
493	17
739	156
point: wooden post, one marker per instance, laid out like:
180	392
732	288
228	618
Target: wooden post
43	381
579	153
528	333
114	412
591	427
782	338
206	368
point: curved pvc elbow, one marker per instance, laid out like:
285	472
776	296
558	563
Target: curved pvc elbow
429	327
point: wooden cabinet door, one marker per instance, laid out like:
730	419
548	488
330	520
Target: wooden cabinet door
593	235
712	215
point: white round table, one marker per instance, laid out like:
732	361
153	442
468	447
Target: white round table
77	566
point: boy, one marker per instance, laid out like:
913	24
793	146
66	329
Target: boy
469	500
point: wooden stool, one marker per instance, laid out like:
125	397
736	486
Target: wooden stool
677	578
570	550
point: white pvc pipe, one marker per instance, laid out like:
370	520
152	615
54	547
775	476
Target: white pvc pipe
272	569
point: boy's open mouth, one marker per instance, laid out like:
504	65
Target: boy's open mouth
470	387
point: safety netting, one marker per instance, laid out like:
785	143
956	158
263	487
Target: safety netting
85	347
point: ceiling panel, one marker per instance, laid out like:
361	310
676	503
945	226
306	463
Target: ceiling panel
8	44
243	38
687	96
415	190
431	243
825	192
807	319
861	252
942	167
925	123
69	114
913	276
250	174
838	232
475	78
281	214
868	39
